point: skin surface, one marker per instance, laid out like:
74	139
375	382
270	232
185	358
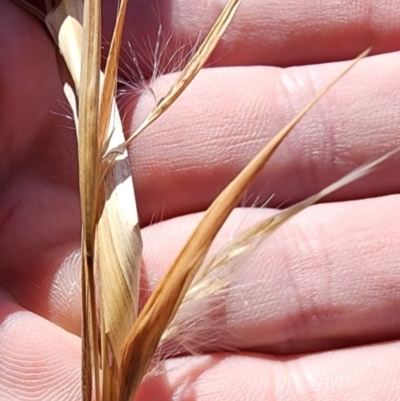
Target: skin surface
315	309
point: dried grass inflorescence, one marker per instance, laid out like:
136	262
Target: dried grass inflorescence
115	362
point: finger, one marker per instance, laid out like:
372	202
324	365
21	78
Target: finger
36	134
365	374
228	115
34	366
263	32
39	206
39	361
326	279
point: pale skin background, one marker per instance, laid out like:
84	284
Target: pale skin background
326	287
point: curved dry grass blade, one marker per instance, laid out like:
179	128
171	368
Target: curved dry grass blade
268	226
163	304
111	72
65	26
188	74
89	175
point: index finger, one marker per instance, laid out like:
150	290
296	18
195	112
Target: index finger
263	32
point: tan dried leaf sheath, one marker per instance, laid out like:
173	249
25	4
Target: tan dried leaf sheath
118	242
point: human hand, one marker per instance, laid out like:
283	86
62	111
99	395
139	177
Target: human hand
327	280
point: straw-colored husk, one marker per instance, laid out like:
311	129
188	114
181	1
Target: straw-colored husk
118	242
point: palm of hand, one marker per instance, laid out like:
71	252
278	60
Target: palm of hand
325	281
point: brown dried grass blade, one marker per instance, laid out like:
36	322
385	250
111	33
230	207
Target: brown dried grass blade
89	180
111	71
163	304
189	72
270	225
